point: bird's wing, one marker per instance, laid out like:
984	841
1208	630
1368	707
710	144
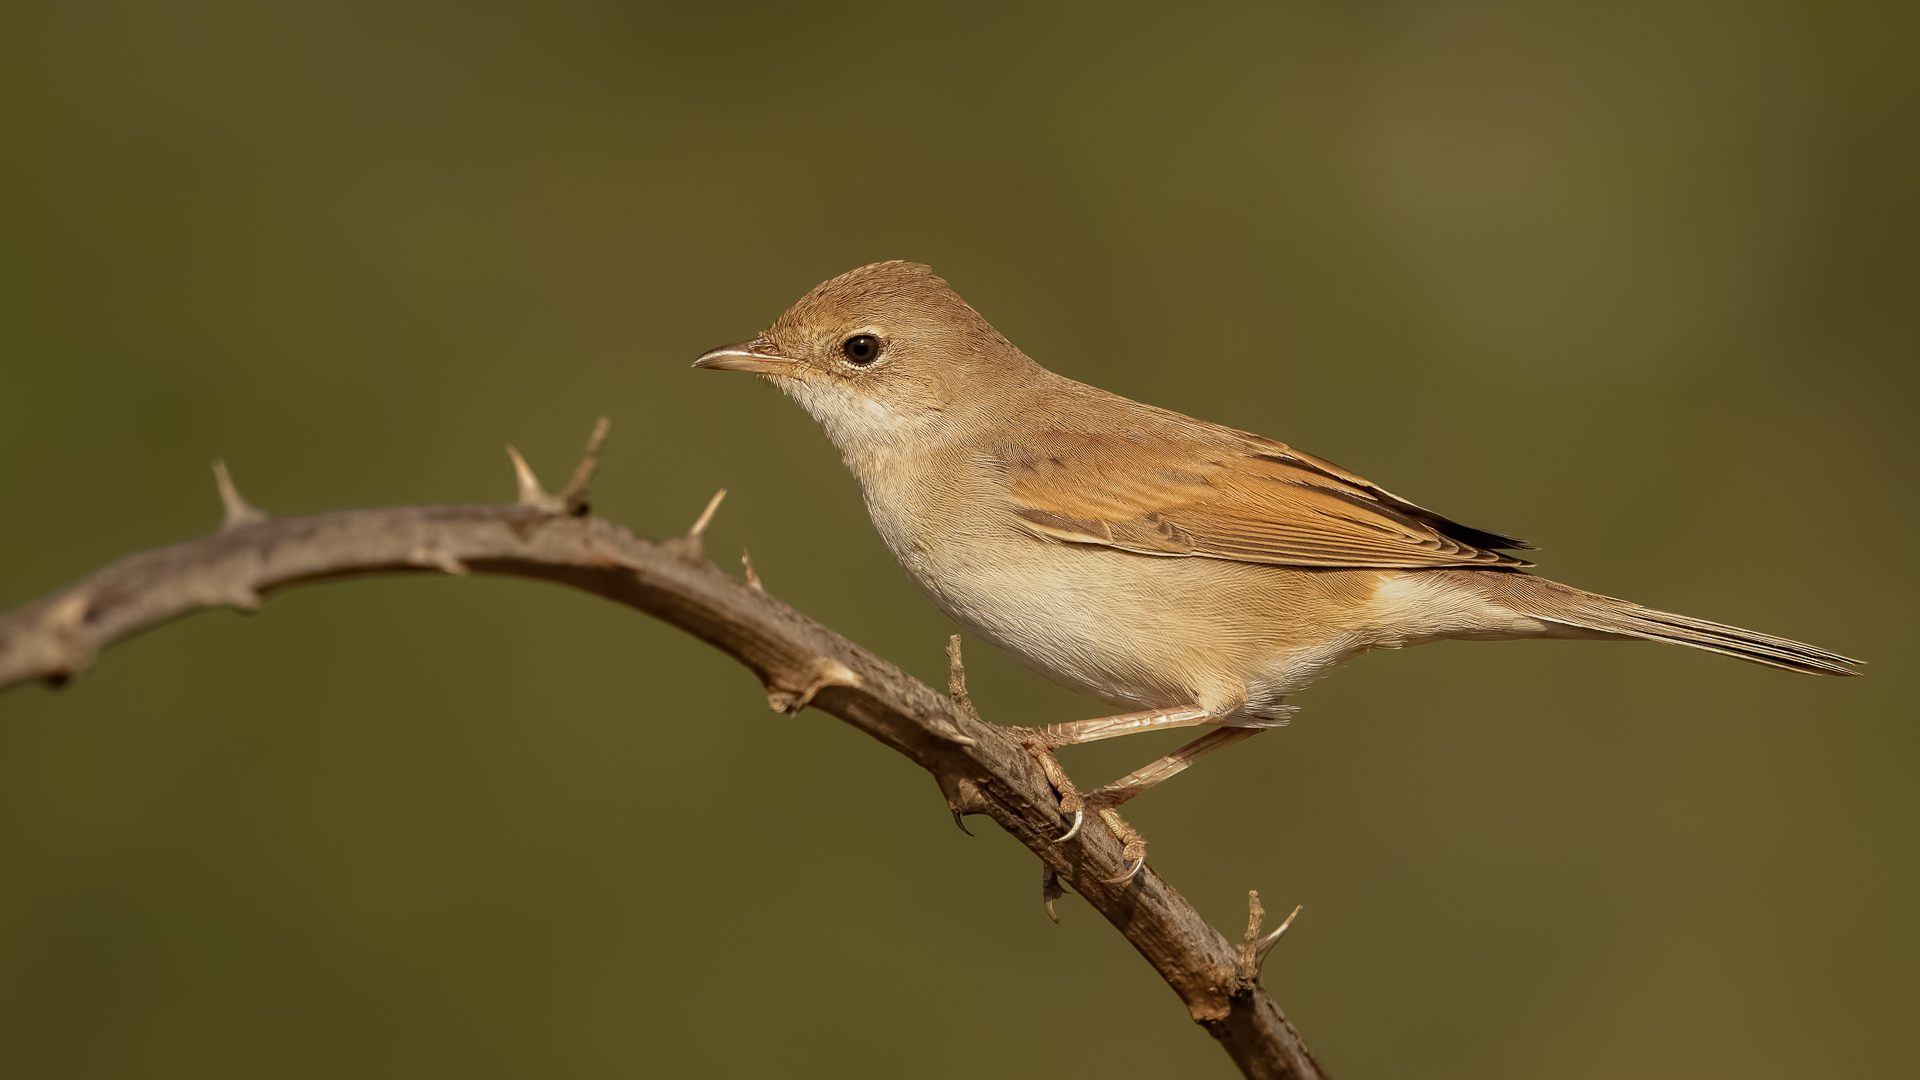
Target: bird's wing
1235	496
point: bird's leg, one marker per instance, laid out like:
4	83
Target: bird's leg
1042	742
1109	727
1107	800
1139	780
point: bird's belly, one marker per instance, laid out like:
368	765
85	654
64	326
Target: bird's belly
1144	632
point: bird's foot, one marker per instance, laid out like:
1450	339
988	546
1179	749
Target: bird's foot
1042	742
1133	846
1106	801
1072	804
1051	890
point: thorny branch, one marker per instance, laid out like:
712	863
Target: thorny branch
552	537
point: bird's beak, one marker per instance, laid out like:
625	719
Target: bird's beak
755	355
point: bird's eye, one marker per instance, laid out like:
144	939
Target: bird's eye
861	349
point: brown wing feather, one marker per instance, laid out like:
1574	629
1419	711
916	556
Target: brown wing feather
1242	498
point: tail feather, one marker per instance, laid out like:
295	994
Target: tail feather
1568	606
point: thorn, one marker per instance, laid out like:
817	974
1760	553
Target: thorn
1079	818
612	556
236	510
71	611
826	672
958	820
67	619
691	547
1254	948
1266	944
705	519
1051	890
439	559
574	496
531	493
753	579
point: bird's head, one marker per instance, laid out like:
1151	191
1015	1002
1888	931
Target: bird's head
883	353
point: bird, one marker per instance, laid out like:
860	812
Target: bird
1183	571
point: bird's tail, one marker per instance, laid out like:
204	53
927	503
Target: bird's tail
1567	606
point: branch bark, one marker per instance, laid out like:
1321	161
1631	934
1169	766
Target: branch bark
979	768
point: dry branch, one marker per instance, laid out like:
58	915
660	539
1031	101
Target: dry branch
979	767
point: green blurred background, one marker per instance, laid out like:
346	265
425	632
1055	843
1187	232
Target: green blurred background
1635	281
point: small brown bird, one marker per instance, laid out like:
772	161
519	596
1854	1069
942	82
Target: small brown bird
1188	571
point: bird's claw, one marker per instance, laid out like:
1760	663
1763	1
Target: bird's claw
1132	869
1051	890
1071	801
1079	819
1133	846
